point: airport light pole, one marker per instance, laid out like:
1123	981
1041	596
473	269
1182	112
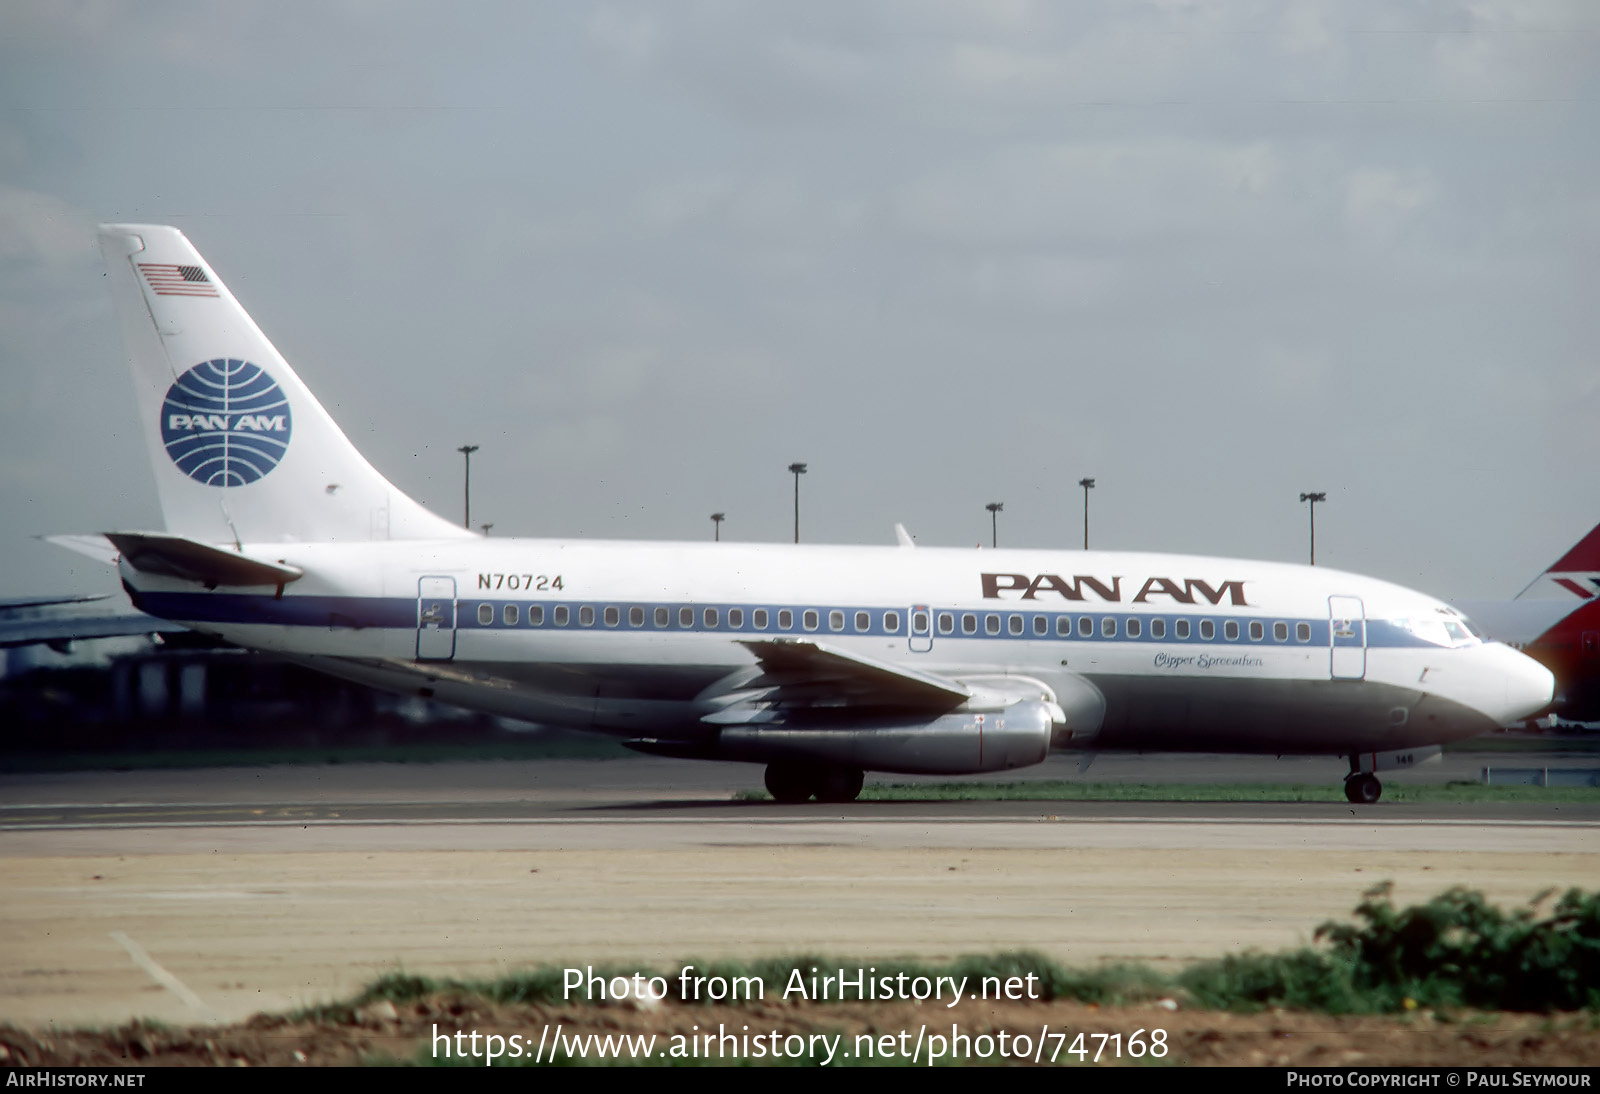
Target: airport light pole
797	469
716	523
1088	485
994	508
466	516
1313	499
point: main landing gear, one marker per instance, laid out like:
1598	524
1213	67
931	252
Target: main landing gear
792	783
1361	787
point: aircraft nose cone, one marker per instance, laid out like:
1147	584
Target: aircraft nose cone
1529	686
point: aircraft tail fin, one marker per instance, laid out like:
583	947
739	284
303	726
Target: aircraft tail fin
1575	574
242	451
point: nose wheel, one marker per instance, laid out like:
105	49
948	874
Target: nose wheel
1362	787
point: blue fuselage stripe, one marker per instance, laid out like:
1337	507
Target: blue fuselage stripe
357	612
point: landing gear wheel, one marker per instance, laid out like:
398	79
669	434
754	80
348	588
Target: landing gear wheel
840	784
790	784
1363	788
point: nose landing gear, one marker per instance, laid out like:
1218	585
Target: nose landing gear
1362	787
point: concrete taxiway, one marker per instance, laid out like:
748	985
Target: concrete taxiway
207	895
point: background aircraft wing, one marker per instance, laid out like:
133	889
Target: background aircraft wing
59	621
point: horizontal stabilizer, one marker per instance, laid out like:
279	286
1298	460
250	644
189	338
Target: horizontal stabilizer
191	560
97	547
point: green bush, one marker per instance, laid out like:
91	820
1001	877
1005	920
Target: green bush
1457	950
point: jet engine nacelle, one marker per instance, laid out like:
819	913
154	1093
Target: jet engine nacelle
1077	706
952	744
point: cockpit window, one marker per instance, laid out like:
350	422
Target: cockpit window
1440	630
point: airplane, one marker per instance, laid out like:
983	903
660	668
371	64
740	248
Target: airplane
1555	620
821	662
59	621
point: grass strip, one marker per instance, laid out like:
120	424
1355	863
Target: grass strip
1457	951
1043	790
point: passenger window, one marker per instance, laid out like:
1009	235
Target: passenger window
613	617
1230	630
1181	628
685	617
863	621
991	623
1302	632
663	617
1085	627
1134	628
1064	625
1108	627
710	617
1280	632
1158	628
1208	629
1014	624
759	619
836	620
919	622
810	619
586	615
485	614
735	618
510	614
1040	624
536	615
1257	632
947	623
786	620
969	624
891	622
562	615
636	616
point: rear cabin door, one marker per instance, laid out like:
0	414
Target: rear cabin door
1347	638
436	618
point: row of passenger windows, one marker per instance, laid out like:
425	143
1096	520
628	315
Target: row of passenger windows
1111	627
811	620
712	618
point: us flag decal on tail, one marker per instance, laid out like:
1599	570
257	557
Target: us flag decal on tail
172	280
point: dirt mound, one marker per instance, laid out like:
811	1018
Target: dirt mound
382	1032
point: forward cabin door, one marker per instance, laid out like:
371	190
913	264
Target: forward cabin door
436	618
919	626
1347	638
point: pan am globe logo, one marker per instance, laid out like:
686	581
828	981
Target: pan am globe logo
225	422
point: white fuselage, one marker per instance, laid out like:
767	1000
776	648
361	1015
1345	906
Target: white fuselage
1159	651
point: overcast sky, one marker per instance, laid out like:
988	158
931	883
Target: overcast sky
947	253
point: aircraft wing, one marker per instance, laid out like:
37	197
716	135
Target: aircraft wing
794	678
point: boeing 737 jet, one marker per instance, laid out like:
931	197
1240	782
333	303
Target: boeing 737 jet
820	662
